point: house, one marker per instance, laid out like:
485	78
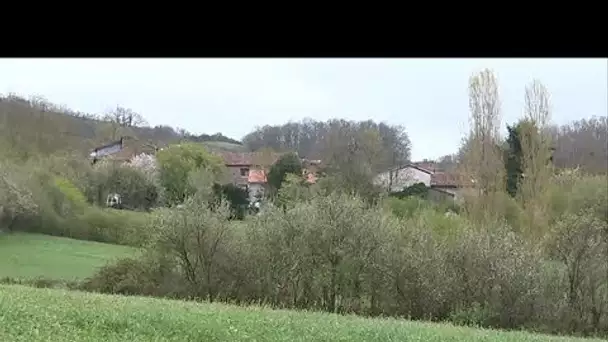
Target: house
448	185
442	185
257	184
249	170
239	164
399	178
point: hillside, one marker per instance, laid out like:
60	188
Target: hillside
36	126
29	314
29	256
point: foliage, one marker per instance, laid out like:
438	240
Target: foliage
138	190
582	143
316	139
16	198
195	235
288	163
63	211
177	162
580	242
219	137
405	207
237	198
513	162
293	190
418	190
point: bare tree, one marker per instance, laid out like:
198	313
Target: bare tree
196	237
310	138
483	158
582	143
536	150
122	119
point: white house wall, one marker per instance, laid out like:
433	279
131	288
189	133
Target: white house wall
403	178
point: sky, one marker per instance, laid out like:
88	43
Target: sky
429	97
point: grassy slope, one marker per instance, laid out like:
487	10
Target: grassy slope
31	255
29	314
225	146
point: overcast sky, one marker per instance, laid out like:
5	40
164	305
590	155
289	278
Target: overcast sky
232	96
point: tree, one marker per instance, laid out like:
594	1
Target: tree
582	144
579	243
447	163
288	163
177	162
293	190
238	199
122	119
483	160
396	149
264	158
196	237
16	199
535	143
513	156
353	155
310	138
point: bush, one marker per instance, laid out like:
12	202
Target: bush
405	207
113	226
63	211
146	276
416	190
137	190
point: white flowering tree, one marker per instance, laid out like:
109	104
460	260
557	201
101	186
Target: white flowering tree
16	199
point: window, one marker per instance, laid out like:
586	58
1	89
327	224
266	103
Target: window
244	172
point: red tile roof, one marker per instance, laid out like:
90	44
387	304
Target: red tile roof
256	176
449	180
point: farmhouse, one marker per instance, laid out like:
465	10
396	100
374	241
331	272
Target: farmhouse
442	185
399	178
249	170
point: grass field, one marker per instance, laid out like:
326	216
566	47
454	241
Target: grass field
29	314
224	146
27	256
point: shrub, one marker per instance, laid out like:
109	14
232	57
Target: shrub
137	190
405	207
416	190
113	226
148	275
